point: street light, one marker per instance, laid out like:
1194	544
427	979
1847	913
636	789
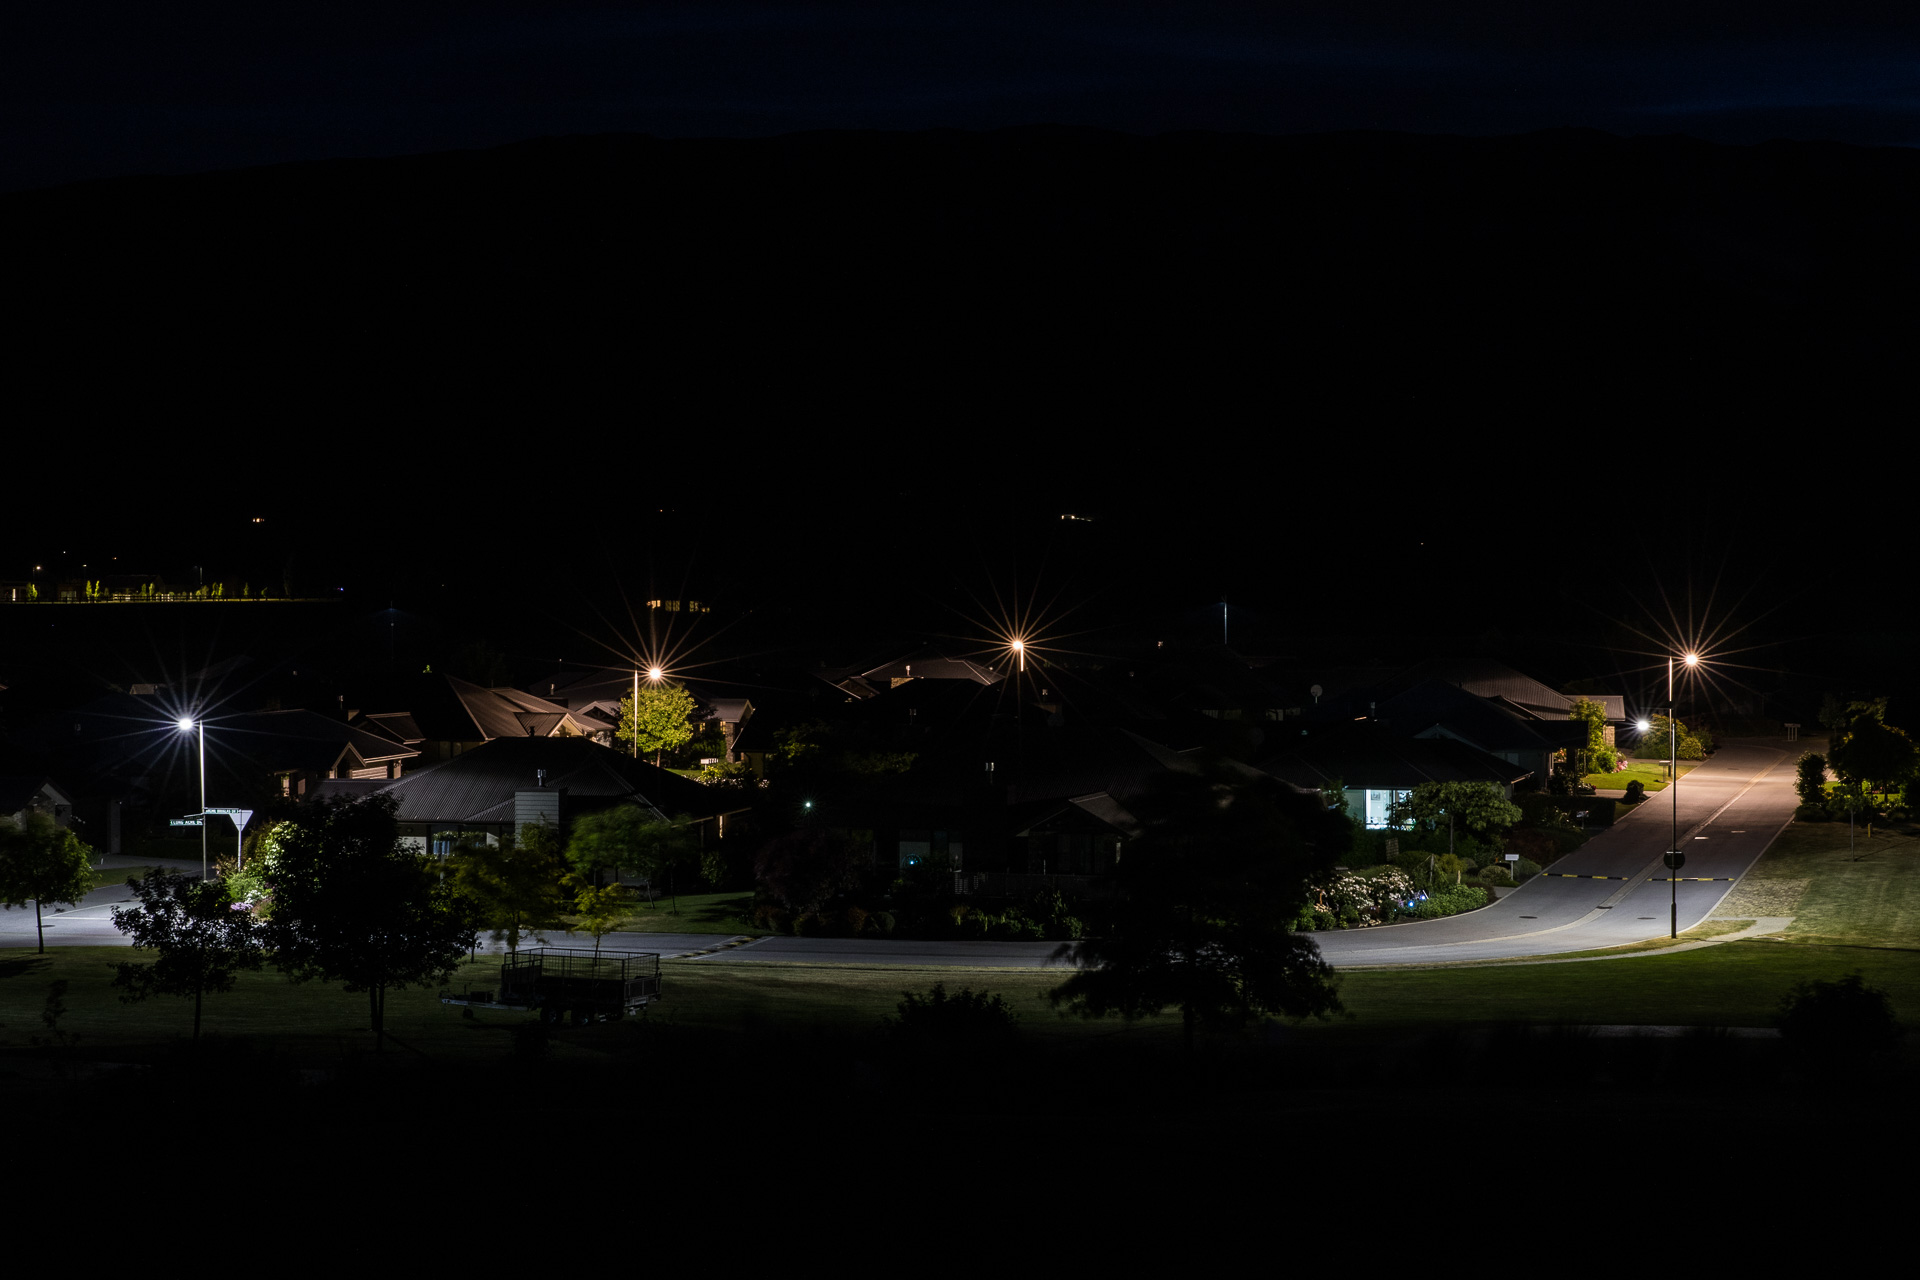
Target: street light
199	730
1673	784
1020	652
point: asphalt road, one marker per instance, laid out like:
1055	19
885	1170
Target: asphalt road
1730	808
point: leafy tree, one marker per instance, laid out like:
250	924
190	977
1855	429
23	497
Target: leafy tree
41	861
204	939
598	910
1596	755
512	887
355	905
1481	808
658	721
1206	898
1874	752
626	835
1654	745
805	867
1810	778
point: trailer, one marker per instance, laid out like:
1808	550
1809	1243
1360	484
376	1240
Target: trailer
561	982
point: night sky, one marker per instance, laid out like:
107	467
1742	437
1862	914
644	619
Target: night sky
99	89
1386	511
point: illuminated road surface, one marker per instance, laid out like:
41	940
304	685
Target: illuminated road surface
1731	807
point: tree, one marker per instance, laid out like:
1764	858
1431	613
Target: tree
1206	898
203	939
658	721
1874	752
1655	745
511	887
598	910
1596	756
41	861
805	867
352	904
638	839
1482	808
1810	778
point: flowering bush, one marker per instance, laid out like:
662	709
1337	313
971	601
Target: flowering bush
1358	901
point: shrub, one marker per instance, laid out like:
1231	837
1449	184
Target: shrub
962	1023
1833	1025
880	922
1605	760
1810	778
1810	813
1526	867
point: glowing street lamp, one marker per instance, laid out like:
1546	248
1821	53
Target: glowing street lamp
1673	785
1020	652
188	724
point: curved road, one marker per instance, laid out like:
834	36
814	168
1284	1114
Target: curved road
1730	809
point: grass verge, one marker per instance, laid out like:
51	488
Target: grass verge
1865	896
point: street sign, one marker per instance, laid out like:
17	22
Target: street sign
184	822
1513	857
1675	859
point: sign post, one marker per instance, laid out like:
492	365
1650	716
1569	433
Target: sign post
241	817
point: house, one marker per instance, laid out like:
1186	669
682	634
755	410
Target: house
1375	765
596	696
441	716
497	787
22	795
300	749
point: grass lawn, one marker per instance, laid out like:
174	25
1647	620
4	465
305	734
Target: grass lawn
1866	897
721	913
118	875
1738	984
1652	774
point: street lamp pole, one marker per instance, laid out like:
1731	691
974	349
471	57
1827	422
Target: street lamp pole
199	726
1673	785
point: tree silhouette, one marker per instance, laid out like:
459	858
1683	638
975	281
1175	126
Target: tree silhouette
354	905
41	861
1207	895
203	942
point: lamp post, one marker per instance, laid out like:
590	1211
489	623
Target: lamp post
199	728
1673	784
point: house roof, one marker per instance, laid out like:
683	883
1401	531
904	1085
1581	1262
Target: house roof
479	785
445	708
1372	757
306	740
17	791
1435	706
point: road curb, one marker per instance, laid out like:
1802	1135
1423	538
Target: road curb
740	940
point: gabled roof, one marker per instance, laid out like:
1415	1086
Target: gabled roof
19	791
302	740
1371	757
398	725
1434	706
445	708
479	785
